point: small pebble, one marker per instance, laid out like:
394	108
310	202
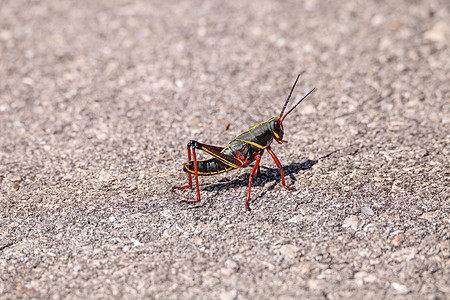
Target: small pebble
295	219
104	176
400	288
15	178
136	242
351	222
367	211
289	250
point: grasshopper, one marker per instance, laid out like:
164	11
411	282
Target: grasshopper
244	149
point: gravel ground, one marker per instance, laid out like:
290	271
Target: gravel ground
99	98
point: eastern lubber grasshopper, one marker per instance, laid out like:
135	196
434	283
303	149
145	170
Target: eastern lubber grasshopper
246	148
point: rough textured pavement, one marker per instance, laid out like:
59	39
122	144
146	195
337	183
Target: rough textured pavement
99	98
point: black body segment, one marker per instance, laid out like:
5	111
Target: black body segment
259	136
245	149
207	167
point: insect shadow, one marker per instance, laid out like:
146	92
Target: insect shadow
267	175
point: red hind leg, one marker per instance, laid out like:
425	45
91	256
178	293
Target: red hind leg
189	174
196	178
192	145
215	151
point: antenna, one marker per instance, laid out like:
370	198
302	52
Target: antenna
297	102
289	97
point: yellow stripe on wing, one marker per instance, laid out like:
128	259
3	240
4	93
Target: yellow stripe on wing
223	160
251	143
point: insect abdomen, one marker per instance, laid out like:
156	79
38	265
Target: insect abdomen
207	167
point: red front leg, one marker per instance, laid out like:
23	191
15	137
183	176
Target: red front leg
275	158
250	179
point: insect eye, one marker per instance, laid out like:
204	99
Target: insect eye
277	125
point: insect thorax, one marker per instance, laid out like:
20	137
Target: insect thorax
260	136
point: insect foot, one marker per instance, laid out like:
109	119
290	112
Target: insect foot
289	188
182	188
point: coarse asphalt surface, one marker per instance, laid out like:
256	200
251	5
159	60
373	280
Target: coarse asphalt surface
98	100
